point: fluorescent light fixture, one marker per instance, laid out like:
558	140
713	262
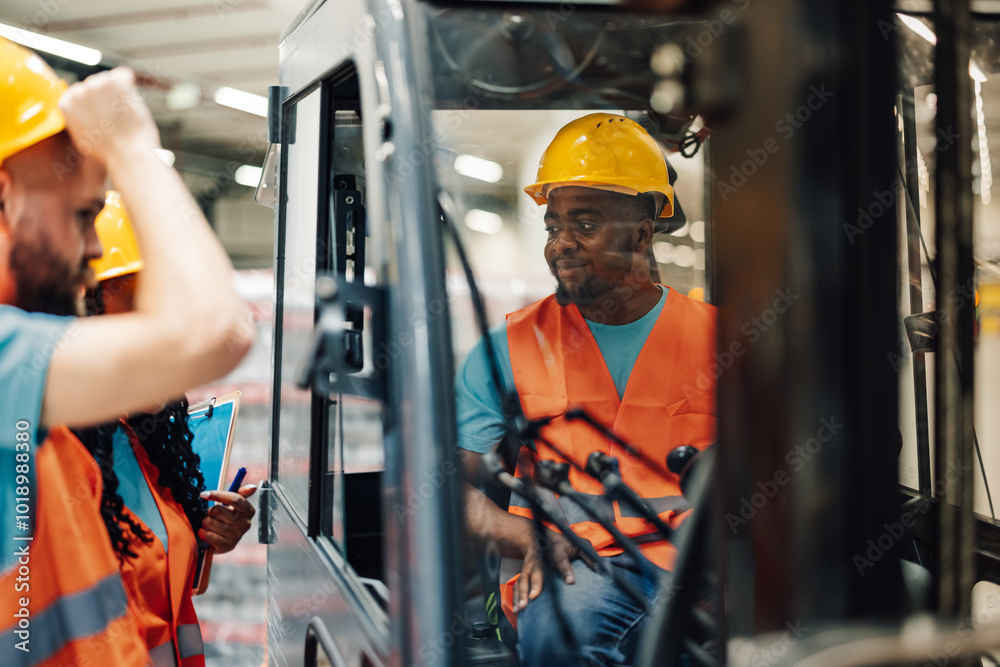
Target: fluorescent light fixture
486	222
976	73
698	231
919	27
684	256
477	167
663	251
168	157
184	95
56	47
248	175
242	100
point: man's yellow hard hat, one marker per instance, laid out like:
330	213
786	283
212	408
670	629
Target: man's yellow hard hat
29	99
121	251
607	152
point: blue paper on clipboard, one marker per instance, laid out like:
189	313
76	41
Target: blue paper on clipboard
212	425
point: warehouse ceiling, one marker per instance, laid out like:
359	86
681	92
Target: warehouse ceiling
182	52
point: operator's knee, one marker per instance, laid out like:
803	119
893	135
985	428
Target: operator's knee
547	635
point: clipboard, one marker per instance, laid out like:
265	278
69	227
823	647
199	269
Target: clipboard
212	423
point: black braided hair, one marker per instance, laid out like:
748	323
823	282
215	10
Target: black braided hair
98	441
167	440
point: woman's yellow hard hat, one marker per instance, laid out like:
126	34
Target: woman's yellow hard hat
121	251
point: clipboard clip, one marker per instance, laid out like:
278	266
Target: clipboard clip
211	408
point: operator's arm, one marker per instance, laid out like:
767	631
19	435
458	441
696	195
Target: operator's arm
189	325
513	536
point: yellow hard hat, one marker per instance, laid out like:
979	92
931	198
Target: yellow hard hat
114	229
607	152
29	99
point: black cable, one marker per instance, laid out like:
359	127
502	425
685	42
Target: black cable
614	485
508	404
540	508
581	413
911	210
554	476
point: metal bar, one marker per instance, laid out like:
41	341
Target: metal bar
828	120
953	381
915	270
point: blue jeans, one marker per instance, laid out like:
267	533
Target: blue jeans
602	624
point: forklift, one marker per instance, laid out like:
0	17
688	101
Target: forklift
826	209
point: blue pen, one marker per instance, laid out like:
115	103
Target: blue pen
235	486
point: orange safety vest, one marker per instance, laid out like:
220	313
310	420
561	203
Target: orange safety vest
669	401
68	582
158	581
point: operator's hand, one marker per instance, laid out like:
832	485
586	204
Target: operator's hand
107	118
227	523
529	585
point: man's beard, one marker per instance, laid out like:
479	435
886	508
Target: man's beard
594	287
587	292
44	283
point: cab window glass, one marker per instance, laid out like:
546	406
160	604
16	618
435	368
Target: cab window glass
298	281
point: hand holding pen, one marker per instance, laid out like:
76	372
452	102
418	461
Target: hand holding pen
228	521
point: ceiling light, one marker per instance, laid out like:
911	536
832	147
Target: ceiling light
168	157
477	167
663	252
919	27
486	222
184	95
248	175
681	231
698	231
976	73
56	47
684	256
242	100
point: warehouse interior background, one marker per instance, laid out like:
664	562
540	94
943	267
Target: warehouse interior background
204	68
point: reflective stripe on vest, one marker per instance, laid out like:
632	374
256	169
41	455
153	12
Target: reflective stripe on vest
189	641
164	655
71	617
189	645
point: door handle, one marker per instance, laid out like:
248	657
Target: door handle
316	636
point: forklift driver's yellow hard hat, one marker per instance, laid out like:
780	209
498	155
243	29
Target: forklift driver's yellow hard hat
121	251
29	99
607	152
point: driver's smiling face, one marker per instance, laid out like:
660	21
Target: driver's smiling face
590	244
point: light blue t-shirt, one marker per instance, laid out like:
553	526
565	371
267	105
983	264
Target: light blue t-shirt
477	401
27	341
134	489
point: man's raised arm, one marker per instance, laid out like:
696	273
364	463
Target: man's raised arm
189	326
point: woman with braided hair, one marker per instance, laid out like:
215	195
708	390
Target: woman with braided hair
154	500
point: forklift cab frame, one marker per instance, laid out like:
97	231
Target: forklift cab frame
363	512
